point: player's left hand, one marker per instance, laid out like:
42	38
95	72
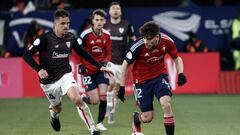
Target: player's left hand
181	79
107	70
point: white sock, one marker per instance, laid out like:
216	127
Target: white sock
110	95
85	114
114	105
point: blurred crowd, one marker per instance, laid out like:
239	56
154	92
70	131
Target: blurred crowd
19	5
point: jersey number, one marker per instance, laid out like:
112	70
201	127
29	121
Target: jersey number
50	96
87	80
139	93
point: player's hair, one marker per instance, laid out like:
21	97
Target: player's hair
149	29
114	3
100	12
61	13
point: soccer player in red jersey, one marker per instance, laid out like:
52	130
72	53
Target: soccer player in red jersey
150	75
96	42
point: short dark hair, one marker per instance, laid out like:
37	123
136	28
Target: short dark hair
100	12
149	29
114	3
61	13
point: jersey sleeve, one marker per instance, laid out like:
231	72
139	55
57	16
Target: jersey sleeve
37	46
133	52
172	49
130	30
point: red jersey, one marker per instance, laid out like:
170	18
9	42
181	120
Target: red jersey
149	63
99	46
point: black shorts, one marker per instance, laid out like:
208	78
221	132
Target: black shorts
92	81
158	86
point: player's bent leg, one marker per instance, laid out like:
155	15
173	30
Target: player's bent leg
83	110
111	117
102	106
169	121
138	118
94	97
110	95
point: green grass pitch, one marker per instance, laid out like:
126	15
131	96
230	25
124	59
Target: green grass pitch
194	115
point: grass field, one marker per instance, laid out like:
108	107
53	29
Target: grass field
194	115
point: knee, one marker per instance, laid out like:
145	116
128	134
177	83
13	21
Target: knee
57	108
103	97
166	106
147	118
94	100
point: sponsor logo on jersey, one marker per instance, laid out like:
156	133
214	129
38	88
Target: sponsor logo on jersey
97	49
116	38
155	59
59	55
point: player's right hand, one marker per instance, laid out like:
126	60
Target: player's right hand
82	69
107	70
121	93
43	74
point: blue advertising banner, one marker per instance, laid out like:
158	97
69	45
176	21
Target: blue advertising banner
211	24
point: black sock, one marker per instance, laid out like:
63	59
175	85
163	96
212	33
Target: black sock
136	120
101	111
169	125
86	99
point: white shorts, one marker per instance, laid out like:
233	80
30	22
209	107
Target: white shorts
116	70
56	90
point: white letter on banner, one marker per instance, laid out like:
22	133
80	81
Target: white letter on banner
172	72
19	42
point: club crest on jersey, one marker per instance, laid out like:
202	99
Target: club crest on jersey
121	30
104	41
146	54
92	42
56	46
164	48
68	43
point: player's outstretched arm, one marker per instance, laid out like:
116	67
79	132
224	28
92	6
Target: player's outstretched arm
181	76
121	92
28	58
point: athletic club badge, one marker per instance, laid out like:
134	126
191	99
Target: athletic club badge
68	44
121	30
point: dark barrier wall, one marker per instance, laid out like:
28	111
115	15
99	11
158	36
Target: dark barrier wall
212	24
